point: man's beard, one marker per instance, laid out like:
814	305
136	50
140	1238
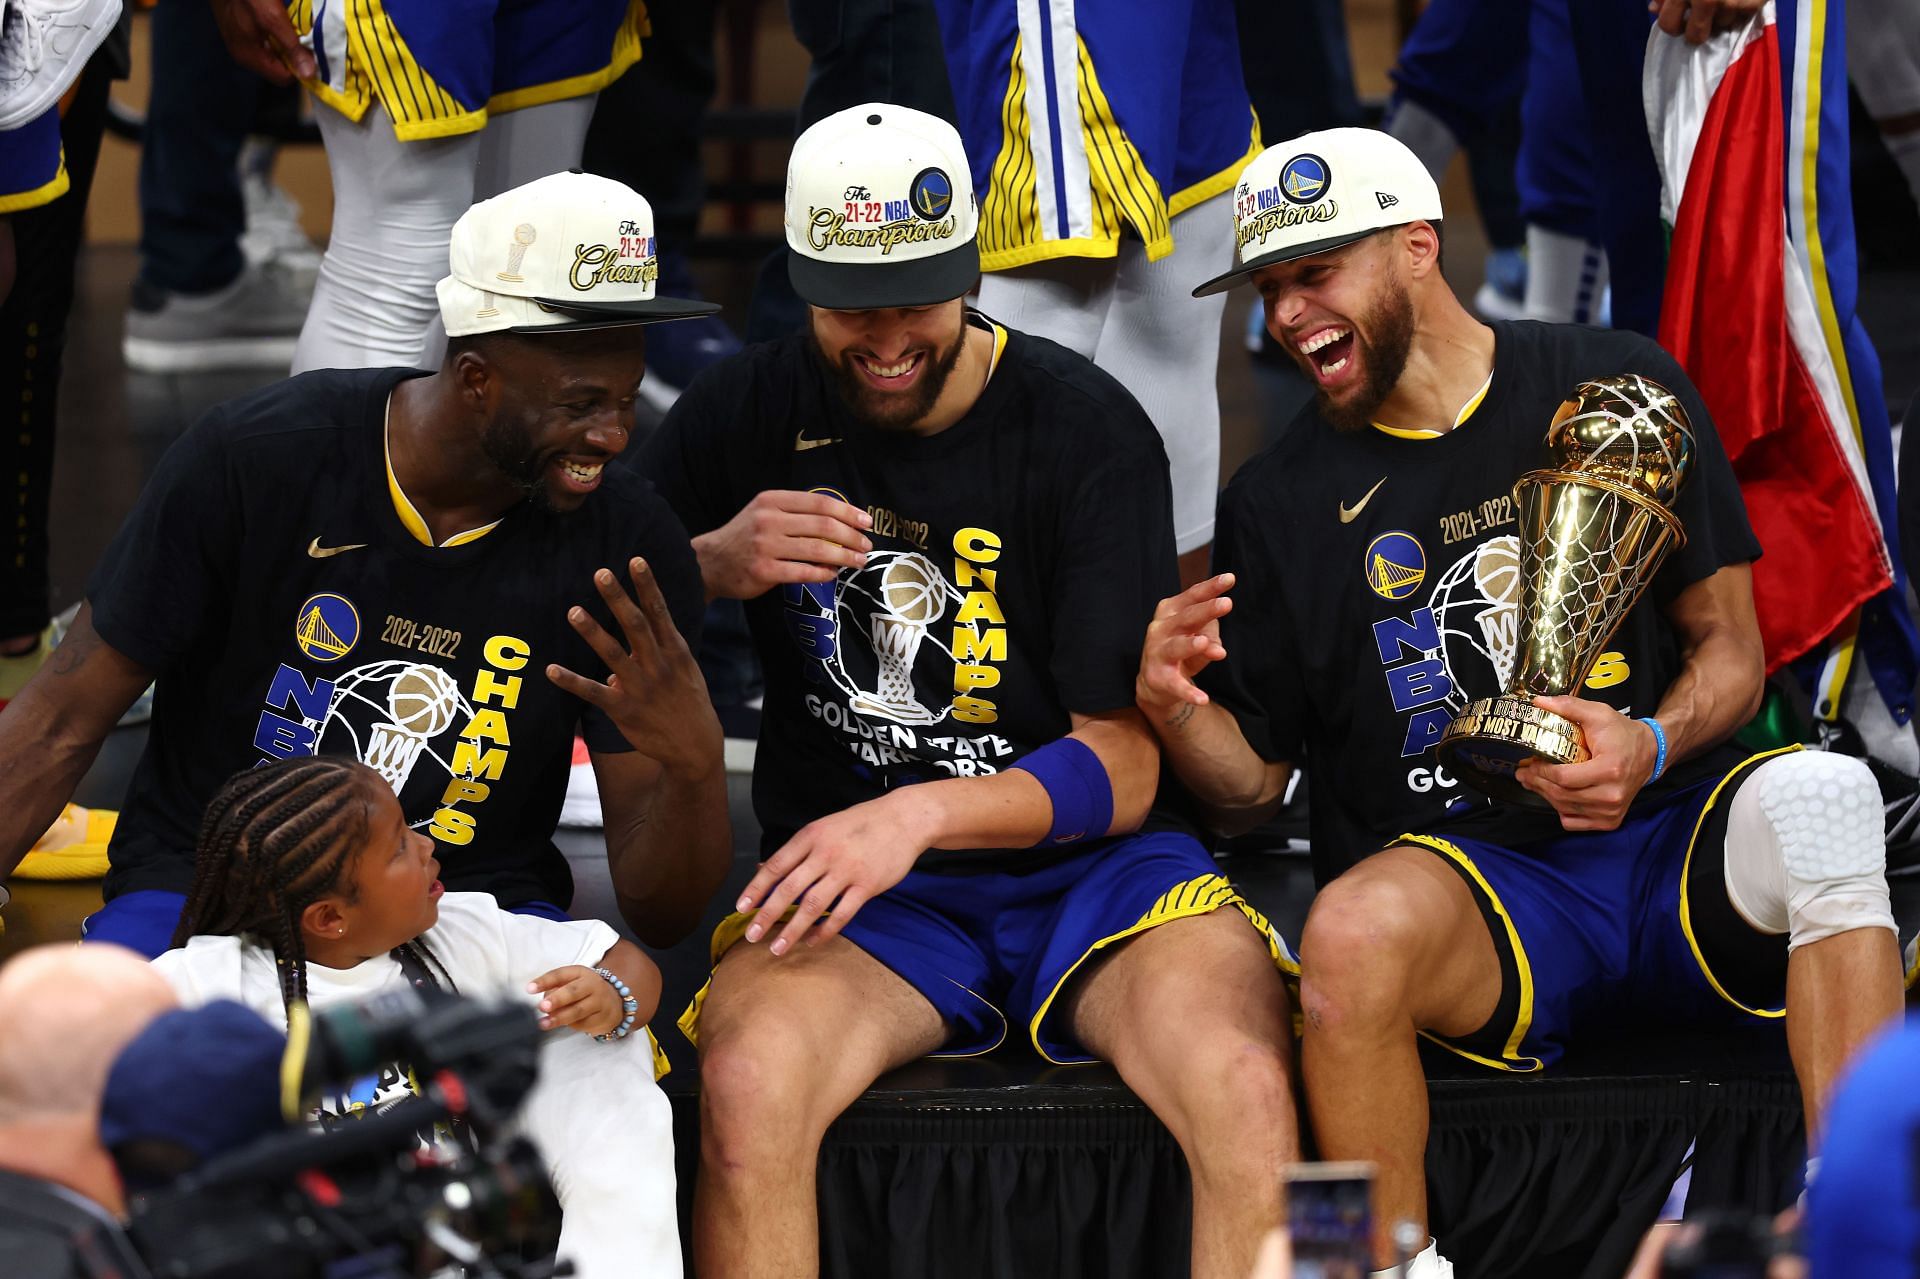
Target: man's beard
881	410
1383	357
509	446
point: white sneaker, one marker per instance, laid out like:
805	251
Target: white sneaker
44	45
252	323
274	234
1426	1264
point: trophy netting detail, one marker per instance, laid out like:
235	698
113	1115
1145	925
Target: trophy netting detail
1594	533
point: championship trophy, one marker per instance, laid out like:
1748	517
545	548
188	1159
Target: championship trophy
1593	530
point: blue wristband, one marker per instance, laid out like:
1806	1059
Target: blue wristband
1660	747
1077	783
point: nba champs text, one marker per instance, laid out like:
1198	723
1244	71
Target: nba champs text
439	746
907	652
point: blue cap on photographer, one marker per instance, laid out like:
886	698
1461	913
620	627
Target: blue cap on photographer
196	1083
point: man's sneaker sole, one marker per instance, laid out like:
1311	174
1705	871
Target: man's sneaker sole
149	355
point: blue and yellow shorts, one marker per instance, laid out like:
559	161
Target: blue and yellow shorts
439	67
34	165
986	949
1599	931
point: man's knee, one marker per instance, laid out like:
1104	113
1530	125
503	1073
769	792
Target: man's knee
1237	1094
1363	935
759	1095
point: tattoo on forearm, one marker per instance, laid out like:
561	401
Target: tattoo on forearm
1180	717
73	652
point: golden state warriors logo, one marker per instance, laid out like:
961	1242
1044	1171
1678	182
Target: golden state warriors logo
931	194
1305	178
1396	565
326	628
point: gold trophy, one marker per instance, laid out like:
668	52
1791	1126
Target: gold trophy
1593	530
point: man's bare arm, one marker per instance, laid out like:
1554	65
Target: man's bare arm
848	858
1723	675
669	842
50	733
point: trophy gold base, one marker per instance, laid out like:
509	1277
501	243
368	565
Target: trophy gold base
1492	737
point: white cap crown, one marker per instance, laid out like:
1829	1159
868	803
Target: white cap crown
880	209
568	250
1320	191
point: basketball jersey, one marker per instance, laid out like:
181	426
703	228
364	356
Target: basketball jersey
1088	119
1017	558
1378	592
440	67
266	578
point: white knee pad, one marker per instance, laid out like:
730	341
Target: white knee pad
1806	850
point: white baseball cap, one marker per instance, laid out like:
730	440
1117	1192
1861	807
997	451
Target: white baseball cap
880	211
567	251
1320	191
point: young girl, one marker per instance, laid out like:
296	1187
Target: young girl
310	885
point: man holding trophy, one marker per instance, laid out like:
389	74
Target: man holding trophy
1494	584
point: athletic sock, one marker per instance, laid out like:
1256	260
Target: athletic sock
1566	276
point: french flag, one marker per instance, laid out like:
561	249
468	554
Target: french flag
1750	133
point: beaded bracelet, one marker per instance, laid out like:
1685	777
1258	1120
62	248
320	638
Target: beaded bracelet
627	1002
1659	747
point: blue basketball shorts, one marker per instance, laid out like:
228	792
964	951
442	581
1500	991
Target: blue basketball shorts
1630	928
991	948
439	67
33	169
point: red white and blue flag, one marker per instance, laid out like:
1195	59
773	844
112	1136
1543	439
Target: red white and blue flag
1750	131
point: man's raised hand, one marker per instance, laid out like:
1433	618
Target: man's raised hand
780	537
1182	640
654	692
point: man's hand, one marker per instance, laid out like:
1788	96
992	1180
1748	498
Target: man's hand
781	537
574	995
654	694
1182	640
261	38
1699	19
1594	793
836	863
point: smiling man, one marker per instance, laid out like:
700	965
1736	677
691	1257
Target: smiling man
949	536
1667	880
416	569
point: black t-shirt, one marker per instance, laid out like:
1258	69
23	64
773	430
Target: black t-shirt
1018	556
1353	642
266	578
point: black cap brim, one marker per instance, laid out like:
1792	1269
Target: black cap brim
873	286
1221	283
610	315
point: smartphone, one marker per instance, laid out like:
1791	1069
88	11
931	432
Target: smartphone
1330	1216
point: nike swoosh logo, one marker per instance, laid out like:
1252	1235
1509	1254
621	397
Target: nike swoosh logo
801	443
1347	513
320	552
